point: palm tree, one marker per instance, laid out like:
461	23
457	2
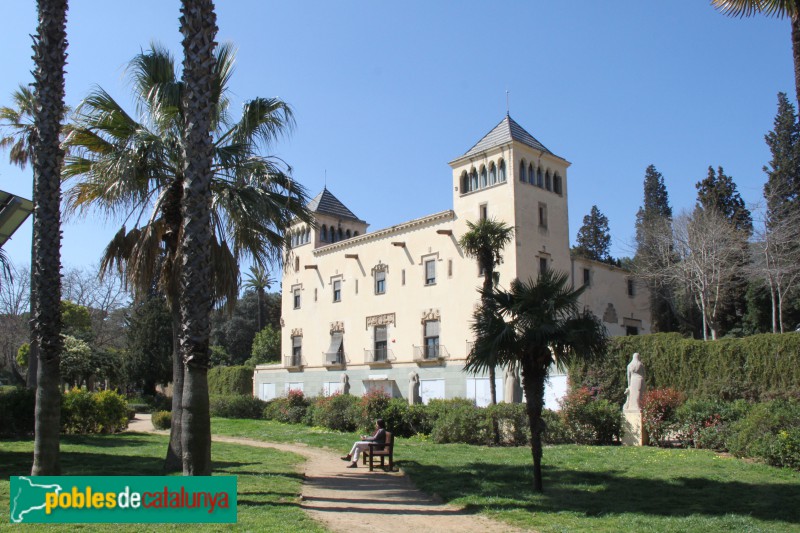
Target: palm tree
259	280
199	29
530	327
771	8
133	169
50	55
485	241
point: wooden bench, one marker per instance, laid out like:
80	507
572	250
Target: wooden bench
387	451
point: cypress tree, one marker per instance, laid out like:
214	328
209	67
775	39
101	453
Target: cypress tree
782	190
593	238
718	193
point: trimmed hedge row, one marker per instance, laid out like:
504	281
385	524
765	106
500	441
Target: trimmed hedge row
755	368
228	380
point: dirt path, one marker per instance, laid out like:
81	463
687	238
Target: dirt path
348	500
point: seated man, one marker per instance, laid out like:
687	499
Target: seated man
378	437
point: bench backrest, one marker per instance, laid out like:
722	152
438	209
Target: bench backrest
389	437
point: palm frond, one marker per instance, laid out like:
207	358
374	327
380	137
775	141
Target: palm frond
748	8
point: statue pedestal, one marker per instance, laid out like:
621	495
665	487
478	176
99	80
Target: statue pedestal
633	433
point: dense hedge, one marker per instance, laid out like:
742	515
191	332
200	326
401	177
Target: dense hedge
760	367
236	406
227	380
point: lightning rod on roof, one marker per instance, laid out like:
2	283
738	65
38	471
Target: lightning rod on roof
507	104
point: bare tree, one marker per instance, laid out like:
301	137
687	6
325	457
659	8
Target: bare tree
104	297
14	314
703	253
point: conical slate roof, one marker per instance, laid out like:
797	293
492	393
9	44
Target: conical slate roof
326	203
503	133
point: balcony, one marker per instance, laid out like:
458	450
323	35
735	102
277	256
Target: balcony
335	360
430	354
379	357
294	362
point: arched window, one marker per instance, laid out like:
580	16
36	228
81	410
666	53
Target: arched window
347	233
539	180
473	180
531	175
355	234
323	236
547	184
464	182
522	177
484	179
557	185
296	264
341	234
308	234
332	234
492	173
501	175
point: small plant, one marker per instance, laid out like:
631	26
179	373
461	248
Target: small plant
162	420
659	408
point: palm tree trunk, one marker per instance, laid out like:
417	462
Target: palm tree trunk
533	382
199	29
50	55
488	283
174	460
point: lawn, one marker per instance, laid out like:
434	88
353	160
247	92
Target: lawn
586	487
268	480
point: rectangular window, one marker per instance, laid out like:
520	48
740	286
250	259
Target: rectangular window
542	265
403	276
380	343
449	268
335	352
431	339
631	330
337	291
484	211
380	282
297	350
631	288
586	277
430	272
315	295
543	215
356	286
296	298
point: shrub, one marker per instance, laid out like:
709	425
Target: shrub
418	419
396	417
785	449
162	420
236	406
17	405
658	414
462	423
339	412
591	420
112	411
556	430
230	380
290	409
78	412
768	432
512	419
373	406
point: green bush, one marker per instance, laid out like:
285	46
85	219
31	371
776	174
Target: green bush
236	406
339	412
659	414
512	419
373	407
785	449
556	430
112	411
290	409
78	412
396	417
17	406
418	420
230	380
162	420
757	434
591	420
758	367
462	423
707	423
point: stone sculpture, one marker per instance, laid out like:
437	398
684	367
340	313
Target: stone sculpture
413	388
345	384
636	385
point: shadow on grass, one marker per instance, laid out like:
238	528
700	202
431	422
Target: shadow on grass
593	493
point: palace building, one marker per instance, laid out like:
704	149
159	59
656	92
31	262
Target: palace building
391	309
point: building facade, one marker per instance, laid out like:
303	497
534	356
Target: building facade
391	309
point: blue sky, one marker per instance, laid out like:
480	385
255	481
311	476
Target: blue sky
386	93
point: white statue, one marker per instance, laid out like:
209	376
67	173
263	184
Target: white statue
413	388
345	384
636	385
510	386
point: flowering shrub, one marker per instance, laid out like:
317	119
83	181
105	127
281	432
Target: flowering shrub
589	419
290	409
339	412
373	406
658	411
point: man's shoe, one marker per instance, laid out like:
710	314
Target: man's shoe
354	464
345	457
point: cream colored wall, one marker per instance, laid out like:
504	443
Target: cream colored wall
609	284
453	296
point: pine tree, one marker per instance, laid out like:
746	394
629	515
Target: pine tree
653	219
782	190
718	193
593	237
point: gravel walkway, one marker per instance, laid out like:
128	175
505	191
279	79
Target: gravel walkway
348	500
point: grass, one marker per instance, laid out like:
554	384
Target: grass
268	480
586	487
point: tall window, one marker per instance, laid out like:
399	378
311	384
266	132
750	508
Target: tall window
492	174
332	237
631	288
464	182
484	211
547	184
335	353
296	298
543	215
501	176
380	282
484	179
539	180
586	277
337	291
380	343
297	349
522	176
323	236
473	180
531	175
431	339
557	187
430	272
542	265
